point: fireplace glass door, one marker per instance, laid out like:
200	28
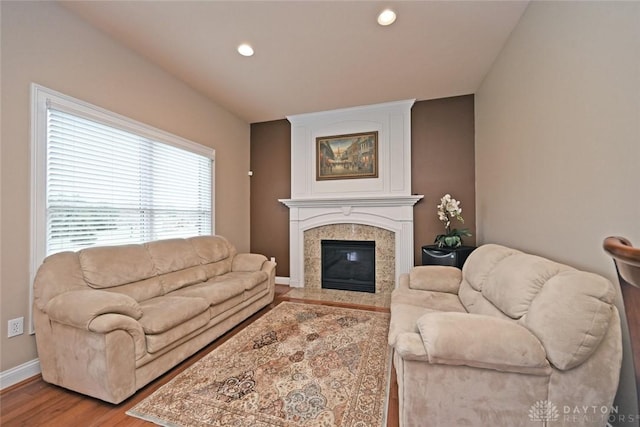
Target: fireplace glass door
349	265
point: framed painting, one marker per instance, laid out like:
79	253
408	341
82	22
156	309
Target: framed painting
350	156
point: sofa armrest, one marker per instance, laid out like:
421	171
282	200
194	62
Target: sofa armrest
110	322
79	308
248	262
482	342
437	278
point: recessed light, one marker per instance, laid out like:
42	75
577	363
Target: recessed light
245	50
386	17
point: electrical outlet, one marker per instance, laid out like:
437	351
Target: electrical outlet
16	327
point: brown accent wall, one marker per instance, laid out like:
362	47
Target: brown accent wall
442	145
442	161
271	165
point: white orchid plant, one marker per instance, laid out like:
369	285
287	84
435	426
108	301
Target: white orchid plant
448	210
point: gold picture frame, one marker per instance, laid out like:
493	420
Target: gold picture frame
349	156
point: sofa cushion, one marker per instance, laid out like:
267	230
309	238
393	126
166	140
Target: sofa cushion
248	262
474	302
180	333
481	263
248	279
163	313
172	255
516	280
441	301
211	291
218	268
142	290
178	279
211	248
570	316
108	266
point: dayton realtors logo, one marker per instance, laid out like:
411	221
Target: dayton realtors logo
544	410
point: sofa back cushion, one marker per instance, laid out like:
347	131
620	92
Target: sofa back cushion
516	280
142	271
172	255
474	302
177	263
216	254
109	266
571	316
567	310
481	262
212	249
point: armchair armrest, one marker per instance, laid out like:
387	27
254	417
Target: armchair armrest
79	308
248	262
436	278
482	342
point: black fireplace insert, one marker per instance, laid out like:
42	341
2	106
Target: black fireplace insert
349	265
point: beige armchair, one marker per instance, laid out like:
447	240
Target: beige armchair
511	340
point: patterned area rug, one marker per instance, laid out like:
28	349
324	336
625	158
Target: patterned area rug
298	365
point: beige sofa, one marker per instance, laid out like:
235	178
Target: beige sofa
511	340
108	320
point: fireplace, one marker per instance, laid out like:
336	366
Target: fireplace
336	208
349	265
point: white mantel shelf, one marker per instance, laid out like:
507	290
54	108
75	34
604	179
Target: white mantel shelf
337	202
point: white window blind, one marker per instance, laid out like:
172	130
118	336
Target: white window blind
108	186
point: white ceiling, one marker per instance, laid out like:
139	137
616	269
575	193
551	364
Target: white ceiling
312	55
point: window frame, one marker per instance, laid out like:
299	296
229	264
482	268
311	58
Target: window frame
41	98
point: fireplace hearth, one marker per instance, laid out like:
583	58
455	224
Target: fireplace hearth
349	265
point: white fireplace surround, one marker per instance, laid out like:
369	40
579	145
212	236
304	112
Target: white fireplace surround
394	213
385	201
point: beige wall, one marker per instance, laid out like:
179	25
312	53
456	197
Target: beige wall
46	44
558	137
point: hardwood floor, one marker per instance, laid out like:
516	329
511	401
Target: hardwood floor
36	403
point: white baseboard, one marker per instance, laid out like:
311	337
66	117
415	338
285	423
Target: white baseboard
19	373
282	280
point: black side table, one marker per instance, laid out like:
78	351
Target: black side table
454	257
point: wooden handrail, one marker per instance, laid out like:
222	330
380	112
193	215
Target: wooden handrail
621	250
627	261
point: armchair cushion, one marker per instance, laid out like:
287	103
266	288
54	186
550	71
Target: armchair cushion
435	278
482	342
480	264
79	308
517	280
583	304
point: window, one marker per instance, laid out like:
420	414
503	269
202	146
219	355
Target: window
102	179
